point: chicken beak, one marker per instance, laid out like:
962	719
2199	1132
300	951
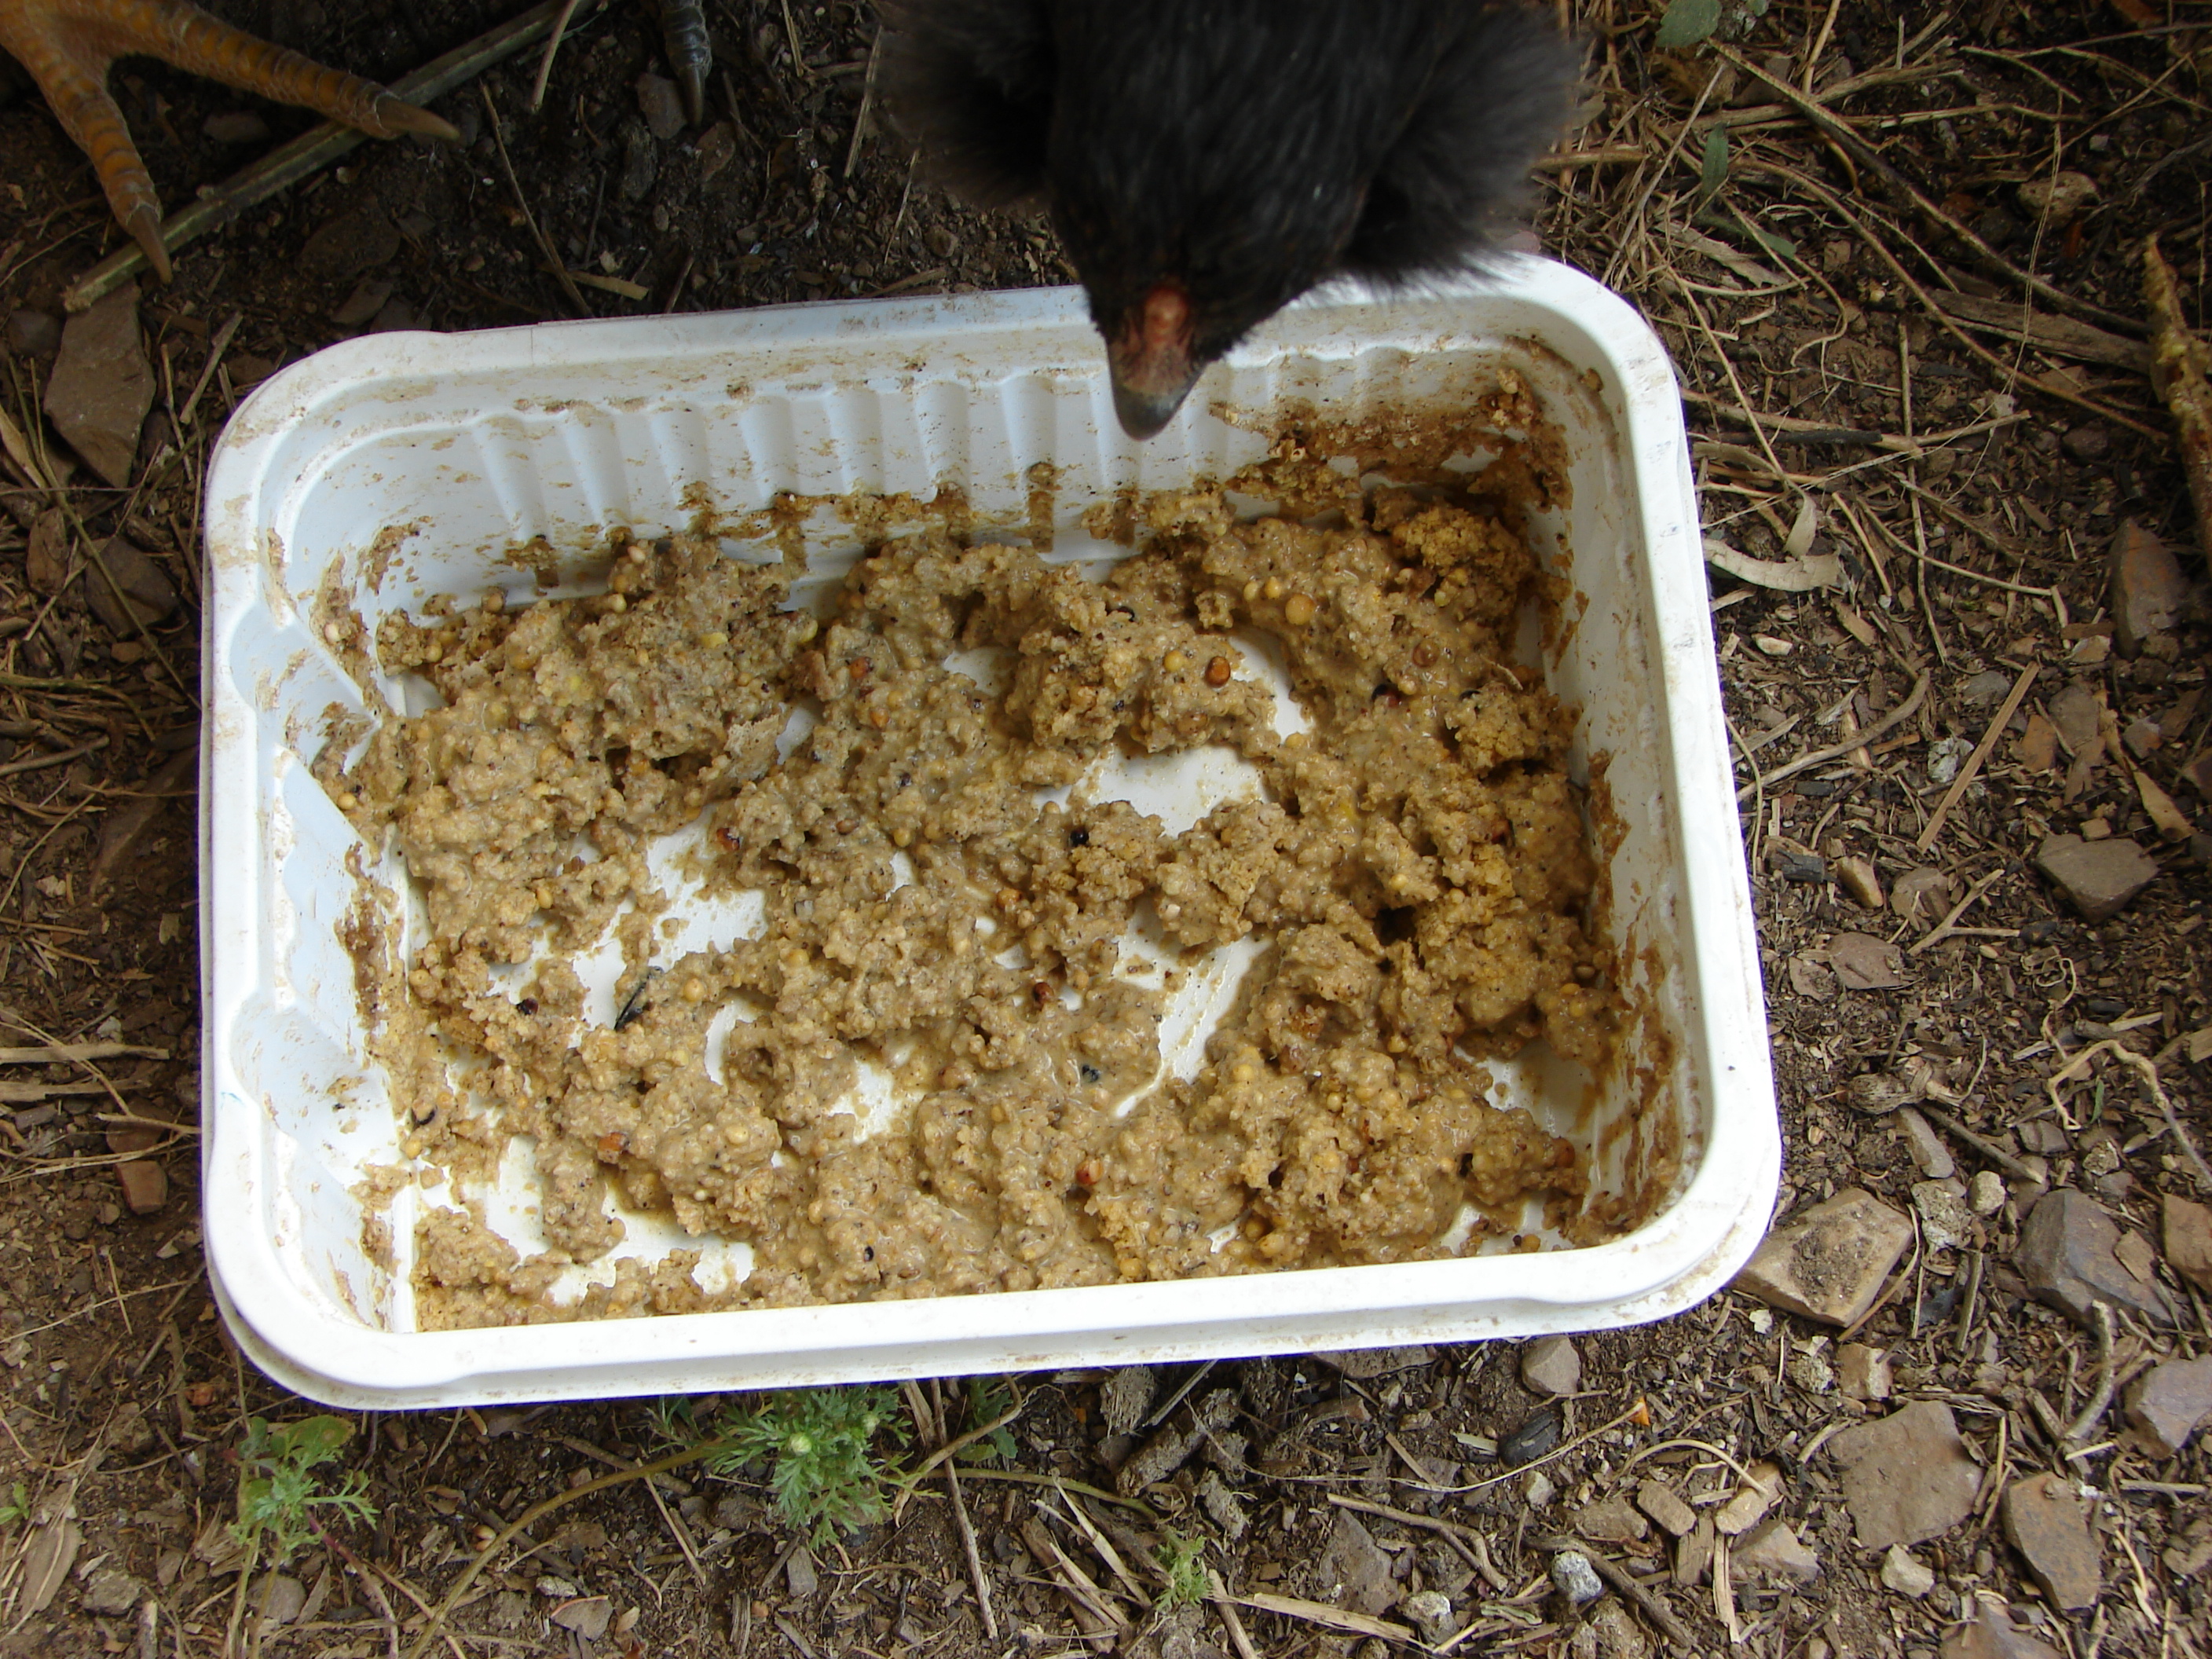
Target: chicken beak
1144	410
1150	361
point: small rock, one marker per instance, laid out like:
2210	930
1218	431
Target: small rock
1611	1521
1946	755
1775	1553
1856	876
1945	1221
46	560
2065	1256
2048	1524
1901	1573
367	299
1125	1397
639	169
112	1593
2088	443
1537	1491
2078	711
1992	1636
1985	1193
1222	1502
1538	1433
125	588
587	1615
346	246
1829	1262
145	1185
2143	738
1431	1614
236	126
1575	1578
102	386
2036	747
2187	1229
2134	1252
1809	868
1551	1365
1756	1494
1863	1372
1921	894
1694	1554
657	101
2098	877
1863	962
1619	1636
1987	689
1663	1505
799	1572
1364	1365
1927	1148
718	148
2060	198
281	1598
2148	588
1905	1477
394	316
1354	1571
2170	1400
33	333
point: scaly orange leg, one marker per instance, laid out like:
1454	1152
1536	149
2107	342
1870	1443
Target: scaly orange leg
67	46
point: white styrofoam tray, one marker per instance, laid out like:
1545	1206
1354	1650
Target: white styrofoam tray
474	443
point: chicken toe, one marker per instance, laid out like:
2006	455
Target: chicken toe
68	45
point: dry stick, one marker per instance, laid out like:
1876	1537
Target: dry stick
2149	1073
1987	1149
558	265
927	1467
1834	203
1846	137
1451	1532
2179	363
1218	1593
2082	1425
967	1546
553	38
1742	397
311	152
1972	769
867	108
1648	1605
1903	711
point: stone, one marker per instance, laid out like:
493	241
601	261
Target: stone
102	386
1987	689
1551	1365
1921	894
1619	1636
1856	876
2036	748
718	148
1431	1614
2078	712
1829	1262
1575	1578
33	333
1125	1397
1992	1635
112	1593
125	588
1774	1554
1945	1221
1905	1477
2168	1403
2148	589
236	126
367	299
1539	1432
2186	1229
145	1185
1354	1571
1926	1146
1694	1554
2088	443
1364	1365
1901	1573
799	1572
1611	1521
2049	1525
1755	1494
2065	1257
1537	1491
348	246
657	101
281	1598
46	561
394	316
2098	877
1863	1372
1663	1505
1863	962
2059	198
1986	1193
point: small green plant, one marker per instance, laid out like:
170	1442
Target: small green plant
989	1399
278	1493
17	1506
1183	1560
820	1445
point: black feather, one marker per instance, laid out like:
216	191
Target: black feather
970	84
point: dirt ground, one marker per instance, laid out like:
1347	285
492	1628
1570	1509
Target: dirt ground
1830	292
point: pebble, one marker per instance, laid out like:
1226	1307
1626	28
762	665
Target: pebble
1986	1193
102	386
2036	747
1906	1477
2187	1229
282	1598
1575	1578
657	101
1856	876
2148	589
145	1185
1538	1433
2098	877
1537	1491
1946	755
1611	1521
2169	1401
2049	1525
1694	1554
1945	1221
2065	1257
46	560
1993	1635
1829	1262
2078	712
1754	1495
1863	962
148	594
1927	1148
1987	689
1775	1552
2061	198
1863	1372
1431	1614
33	333
346	245
1921	894
2088	443
1549	1366
112	1593
1663	1505
1354	1570
1619	1636
799	1572
1901	1573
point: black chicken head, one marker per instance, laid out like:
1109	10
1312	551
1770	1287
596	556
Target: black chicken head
1206	161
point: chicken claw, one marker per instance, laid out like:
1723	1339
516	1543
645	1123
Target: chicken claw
67	46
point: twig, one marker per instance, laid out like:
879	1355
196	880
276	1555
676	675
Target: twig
968	1547
868	107
1943	929
2081	1427
2079	1066
52	1053
1649	1606
553	38
1989	1150
922	1471
554	260
1471	1545
1225	1605
40	763
1903	711
1972	769
2179	367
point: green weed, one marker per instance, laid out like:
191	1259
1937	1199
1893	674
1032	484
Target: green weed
820	1445
278	1493
17	1506
988	1400
1183	1560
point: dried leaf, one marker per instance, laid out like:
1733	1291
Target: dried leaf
1687	22
48	1555
1863	962
1794	575
2171	821
1799	542
1856	626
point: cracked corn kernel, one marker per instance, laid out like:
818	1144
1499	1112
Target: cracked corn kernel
1174	661
1298	609
1216	672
